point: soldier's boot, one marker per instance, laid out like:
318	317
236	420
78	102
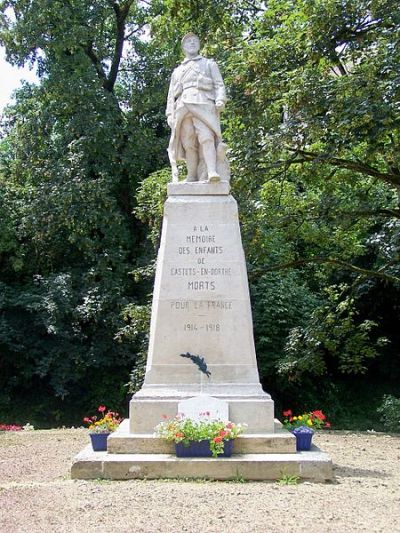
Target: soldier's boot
210	157
192	162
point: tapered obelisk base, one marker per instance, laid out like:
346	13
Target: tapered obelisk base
201	308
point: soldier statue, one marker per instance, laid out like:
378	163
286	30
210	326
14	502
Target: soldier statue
195	99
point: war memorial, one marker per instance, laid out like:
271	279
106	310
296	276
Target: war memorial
201	351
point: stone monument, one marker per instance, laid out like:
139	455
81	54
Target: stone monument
201	336
201	352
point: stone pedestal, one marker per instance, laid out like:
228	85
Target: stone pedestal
201	308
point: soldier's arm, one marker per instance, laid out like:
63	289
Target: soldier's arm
220	93
170	110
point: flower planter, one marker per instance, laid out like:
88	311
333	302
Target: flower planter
304	437
99	441
201	449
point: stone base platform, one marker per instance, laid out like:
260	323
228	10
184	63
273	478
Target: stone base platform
313	465
256	457
124	442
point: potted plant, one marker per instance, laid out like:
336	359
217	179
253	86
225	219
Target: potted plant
100	428
303	426
205	437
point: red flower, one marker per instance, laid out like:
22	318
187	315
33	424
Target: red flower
217	439
179	435
287	413
87	420
319	414
223	433
101	408
327	424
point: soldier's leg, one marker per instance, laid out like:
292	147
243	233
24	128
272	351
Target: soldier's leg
206	139
190	145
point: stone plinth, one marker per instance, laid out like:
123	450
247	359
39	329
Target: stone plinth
198	188
201	309
201	345
313	465
266	443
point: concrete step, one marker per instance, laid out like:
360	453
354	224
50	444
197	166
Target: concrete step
313	465
282	442
121	441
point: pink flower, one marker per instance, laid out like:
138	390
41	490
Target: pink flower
10	427
287	413
101	408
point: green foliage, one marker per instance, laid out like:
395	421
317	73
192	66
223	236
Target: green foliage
313	129
390	413
335	330
70	161
288	479
185	430
150	198
280	302
137	320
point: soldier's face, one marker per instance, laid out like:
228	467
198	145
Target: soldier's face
191	46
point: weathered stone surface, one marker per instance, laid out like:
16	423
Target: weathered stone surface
282	442
88	464
201	302
198	188
124	442
147	411
203	407
201	336
313	465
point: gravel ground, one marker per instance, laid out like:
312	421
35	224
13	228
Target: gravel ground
37	494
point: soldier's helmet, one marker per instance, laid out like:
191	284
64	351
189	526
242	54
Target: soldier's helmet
187	36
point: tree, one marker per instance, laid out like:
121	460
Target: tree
315	87
74	149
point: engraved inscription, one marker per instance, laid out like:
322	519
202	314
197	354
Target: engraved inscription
209	327
208	250
187	305
200	239
200	253
201	285
184	271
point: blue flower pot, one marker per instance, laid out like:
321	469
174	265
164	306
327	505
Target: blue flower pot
99	441
201	449
304	437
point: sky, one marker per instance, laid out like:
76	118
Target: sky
10	79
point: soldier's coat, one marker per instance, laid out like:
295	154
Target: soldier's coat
196	84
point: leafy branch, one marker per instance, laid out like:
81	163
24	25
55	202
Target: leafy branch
393	178
366	272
